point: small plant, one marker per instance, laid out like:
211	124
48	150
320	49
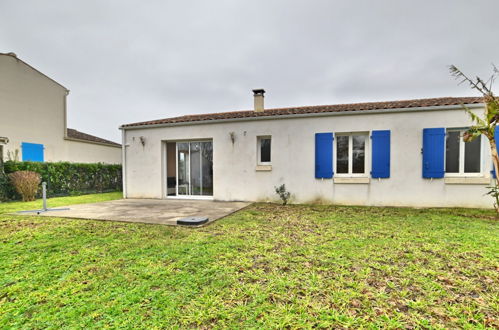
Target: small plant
26	184
283	193
494	193
13	155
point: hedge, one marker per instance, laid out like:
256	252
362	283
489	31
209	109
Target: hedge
64	178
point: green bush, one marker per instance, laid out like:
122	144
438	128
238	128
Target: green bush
64	178
6	188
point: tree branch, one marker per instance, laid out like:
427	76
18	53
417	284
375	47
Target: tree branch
458	74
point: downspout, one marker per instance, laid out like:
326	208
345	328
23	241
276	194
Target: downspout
123	161
65	100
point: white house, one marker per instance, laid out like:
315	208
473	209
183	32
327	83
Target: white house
400	153
33	120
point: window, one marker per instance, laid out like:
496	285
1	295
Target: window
462	157
351	154
264	150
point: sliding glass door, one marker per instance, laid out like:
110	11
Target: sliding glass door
195	168
183	164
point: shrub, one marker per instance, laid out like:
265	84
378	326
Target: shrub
6	189
26	184
64	178
283	194
494	193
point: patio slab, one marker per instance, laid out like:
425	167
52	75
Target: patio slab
155	211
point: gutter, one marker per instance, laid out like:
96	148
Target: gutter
123	163
65	105
308	115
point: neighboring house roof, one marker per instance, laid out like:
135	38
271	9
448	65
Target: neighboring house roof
80	136
369	106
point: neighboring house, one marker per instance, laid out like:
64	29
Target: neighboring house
33	120
400	153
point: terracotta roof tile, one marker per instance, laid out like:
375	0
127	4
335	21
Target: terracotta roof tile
369	106
74	134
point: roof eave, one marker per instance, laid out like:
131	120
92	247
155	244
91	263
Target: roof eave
93	142
317	114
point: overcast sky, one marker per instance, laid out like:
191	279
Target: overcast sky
127	61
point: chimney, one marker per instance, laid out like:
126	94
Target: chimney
258	96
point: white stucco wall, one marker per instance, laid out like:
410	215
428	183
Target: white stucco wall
32	109
293	160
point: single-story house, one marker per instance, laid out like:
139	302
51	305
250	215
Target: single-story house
33	125
398	153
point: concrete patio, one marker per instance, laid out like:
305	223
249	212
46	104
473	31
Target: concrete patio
155	211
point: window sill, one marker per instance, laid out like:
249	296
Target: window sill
263	168
352	180
466	180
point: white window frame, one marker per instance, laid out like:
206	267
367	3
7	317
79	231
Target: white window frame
461	172
367	156
259	149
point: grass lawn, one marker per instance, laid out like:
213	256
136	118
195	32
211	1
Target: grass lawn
267	266
59	201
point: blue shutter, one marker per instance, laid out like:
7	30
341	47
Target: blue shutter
433	152
324	155
496	137
380	167
32	152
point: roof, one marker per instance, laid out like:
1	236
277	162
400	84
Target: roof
13	55
77	135
352	107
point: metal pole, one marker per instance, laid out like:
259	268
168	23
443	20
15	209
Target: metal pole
44	195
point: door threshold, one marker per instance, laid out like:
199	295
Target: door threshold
206	198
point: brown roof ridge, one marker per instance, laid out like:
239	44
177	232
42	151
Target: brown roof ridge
344	107
73	134
343	104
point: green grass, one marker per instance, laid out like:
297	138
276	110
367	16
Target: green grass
267	266
59	201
